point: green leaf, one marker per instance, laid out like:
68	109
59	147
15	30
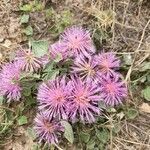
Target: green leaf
40	48
26	8
22	120
58	58
26	91
127	59
131	113
144	66
1	100
24	18
102	135
30	101
38	7
51	74
28	31
85	137
68	134
90	145
146	93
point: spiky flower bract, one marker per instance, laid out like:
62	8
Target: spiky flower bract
113	90
47	130
86	68
28	61
9	81
107	63
78	41
84	100
53	97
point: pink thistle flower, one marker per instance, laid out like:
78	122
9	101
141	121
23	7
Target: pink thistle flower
86	68
58	48
53	97
78	41
107	63
46	129
83	101
9	85
28	61
113	91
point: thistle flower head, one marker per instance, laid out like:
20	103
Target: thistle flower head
83	101
53	97
113	91
9	85
28	61
78	41
107	63
85	67
58	48
46	129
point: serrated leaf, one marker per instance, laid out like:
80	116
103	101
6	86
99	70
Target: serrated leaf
68	134
90	145
28	31
22	120
85	137
40	48
131	113
24	18
146	93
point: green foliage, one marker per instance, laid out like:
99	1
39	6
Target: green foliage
1	100
146	93
59	20
24	19
100	36
127	58
32	6
6	120
102	135
85	137
28	31
68	134
51	70
90	145
26	7
131	113
22	120
145	66
40	48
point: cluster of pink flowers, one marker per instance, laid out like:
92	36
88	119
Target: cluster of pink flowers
75	96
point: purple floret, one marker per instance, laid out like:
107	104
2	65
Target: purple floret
9	81
83	102
46	129
113	90
28	61
86	68
53	97
107	63
59	48
78	41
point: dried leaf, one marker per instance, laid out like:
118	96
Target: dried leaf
145	107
